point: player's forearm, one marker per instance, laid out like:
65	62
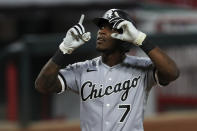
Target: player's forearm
47	81
167	69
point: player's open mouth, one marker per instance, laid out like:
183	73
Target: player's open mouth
100	39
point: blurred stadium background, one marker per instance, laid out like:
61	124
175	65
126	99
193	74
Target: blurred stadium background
31	30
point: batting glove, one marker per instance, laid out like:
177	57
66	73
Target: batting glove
75	37
130	33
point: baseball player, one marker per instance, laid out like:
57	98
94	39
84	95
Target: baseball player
113	87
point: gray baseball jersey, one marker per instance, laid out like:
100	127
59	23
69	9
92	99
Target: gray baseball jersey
111	98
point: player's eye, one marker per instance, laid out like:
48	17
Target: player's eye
101	27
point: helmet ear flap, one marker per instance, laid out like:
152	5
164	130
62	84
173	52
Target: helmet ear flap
120	31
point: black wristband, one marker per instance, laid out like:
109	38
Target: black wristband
147	46
59	58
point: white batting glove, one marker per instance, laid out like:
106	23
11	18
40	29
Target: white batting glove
130	33
75	37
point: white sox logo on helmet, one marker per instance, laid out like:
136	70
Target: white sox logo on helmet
111	14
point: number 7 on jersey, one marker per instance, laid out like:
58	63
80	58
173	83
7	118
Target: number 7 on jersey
127	107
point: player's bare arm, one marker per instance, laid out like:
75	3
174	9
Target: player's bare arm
48	81
167	70
166	67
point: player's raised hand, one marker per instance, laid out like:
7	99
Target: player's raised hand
75	37
130	33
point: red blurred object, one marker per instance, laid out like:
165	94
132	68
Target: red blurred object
189	3
178	101
12	94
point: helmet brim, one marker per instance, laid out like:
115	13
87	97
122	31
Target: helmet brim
98	21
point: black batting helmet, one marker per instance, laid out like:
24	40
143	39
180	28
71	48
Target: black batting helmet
112	13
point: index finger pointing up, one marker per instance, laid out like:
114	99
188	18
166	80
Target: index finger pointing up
81	19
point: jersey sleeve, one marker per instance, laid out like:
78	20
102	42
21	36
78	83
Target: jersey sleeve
151	81
70	77
152	78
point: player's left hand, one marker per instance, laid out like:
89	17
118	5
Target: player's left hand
130	33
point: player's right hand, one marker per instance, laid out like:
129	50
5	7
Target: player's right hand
75	37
